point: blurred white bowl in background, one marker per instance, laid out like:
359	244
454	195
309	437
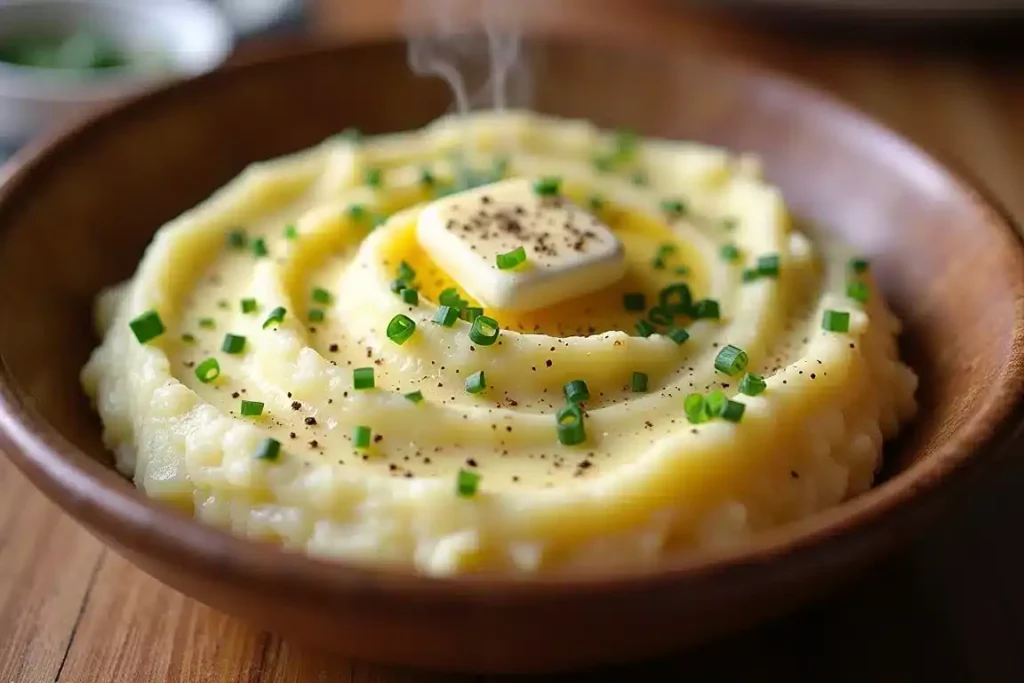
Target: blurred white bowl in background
162	39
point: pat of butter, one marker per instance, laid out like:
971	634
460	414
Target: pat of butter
569	252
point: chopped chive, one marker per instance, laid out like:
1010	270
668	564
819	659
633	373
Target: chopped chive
576	391
511	259
548	186
714	403
858	291
414	396
638	383
406	272
569	425
275	317
644	328
682	270
471	313
706	309
484	331
729	253
361	436
446	315
357	212
398	286
450	297
639	177
410	296
733	411
731	360
859	265
268	449
658	263
678	335
259	247
251	408
207	323
233	343
676	298
315	315
603	163
752	385
466	483
249	305
476	382
362	378
401	329
836	321
147	326
595	203
291	232
321	295
768	265
660	316
427	178
693	406
751	274
237	239
634	301
188	338
673	207
208	370
373	177
730	223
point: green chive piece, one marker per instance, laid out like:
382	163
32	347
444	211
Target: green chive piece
410	296
406	272
836	321
729	253
714	403
357	212
693	406
476	382
569	425
315	315
511	259
638	383
484	331
208	370
237	239
664	251
595	203
731	360
233	343
427	178
450	297
188	338
644	328
706	309
362	378
673	207
466	483
768	265
752	385
414	396
207	323
682	270
733	411
634	301
858	291
639	177
291	232
471	313
373	177
251	408
401	329
361	436
275	318
678	335
321	295
603	163
147	326
751	274
660	316
446	315
259	247
268	449
399	286
576	391
859	265
730	223
676	298
548	186
249	305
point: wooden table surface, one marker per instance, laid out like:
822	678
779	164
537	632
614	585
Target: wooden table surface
950	608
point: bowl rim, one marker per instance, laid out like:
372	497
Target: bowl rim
83	486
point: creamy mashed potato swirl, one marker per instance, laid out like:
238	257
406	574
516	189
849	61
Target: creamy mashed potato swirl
324	235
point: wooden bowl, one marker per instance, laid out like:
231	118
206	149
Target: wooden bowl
77	211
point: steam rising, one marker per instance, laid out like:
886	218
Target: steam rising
475	46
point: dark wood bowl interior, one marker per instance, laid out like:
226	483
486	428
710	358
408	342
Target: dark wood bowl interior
77	212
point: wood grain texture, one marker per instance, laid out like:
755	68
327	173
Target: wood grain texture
947	609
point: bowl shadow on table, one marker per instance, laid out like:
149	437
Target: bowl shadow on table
113	213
